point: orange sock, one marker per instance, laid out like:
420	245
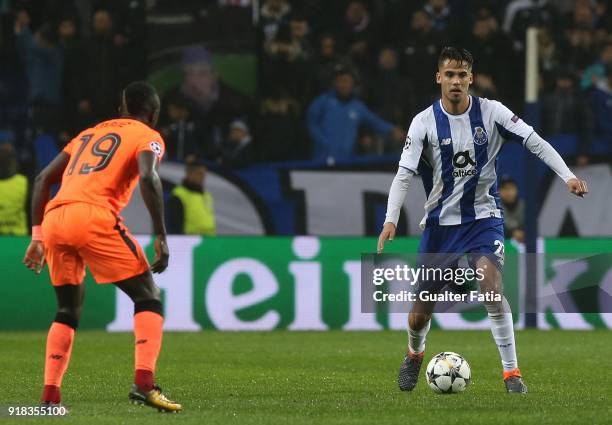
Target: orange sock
513	372
148	335
57	357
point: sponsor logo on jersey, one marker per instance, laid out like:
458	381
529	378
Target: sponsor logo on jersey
156	147
480	136
461	160
464	173
447	141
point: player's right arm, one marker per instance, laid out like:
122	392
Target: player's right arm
409	162
152	193
34	258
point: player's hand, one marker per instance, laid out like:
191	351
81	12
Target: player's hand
577	187
35	257
162	254
388	233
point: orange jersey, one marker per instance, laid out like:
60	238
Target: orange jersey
103	167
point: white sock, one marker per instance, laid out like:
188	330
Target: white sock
502	329
416	338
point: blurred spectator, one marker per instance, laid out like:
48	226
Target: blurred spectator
234	3
564	111
514	209
43	61
273	14
212	102
325	59
439	13
484	86
287	59
360	36
419	52
389	95
601	103
334	119
182	134
521	14
71	79
109	61
280	130
46	148
13	195
550	58
594	74
237	150
190	209
292	44
6	136
396	18
580	36
485	42
603	17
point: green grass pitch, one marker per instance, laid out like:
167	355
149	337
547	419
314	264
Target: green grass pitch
317	378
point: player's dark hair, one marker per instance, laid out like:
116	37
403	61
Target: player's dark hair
457	54
141	99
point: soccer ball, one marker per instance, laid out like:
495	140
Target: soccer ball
448	373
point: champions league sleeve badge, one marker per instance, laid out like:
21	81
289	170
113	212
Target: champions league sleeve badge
407	142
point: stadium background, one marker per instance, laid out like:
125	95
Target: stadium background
261	64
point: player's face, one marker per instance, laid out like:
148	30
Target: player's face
454	79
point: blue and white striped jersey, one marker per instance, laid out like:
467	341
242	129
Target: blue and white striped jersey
456	157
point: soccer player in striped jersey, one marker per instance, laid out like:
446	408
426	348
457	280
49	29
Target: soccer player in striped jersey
453	145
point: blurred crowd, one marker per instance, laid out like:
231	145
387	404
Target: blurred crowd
62	65
359	70
334	78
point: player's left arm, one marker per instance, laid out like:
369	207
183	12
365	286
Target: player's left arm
152	193
543	150
512	127
35	258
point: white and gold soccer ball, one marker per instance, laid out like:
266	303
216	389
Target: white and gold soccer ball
448	373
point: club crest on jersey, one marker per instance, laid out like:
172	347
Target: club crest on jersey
480	136
156	147
447	141
407	142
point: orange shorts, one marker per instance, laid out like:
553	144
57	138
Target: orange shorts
78	234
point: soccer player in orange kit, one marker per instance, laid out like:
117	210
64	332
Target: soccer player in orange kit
81	226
